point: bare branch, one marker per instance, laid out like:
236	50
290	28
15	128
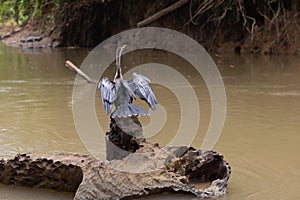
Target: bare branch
71	66
162	13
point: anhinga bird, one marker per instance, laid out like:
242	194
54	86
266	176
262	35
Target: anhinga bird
121	92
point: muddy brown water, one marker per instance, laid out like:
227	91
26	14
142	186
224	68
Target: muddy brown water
260	138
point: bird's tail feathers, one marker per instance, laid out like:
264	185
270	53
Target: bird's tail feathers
128	110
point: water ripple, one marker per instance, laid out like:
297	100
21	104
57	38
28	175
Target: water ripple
5	89
13	81
286	93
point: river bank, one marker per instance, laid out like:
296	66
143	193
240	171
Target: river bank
266	27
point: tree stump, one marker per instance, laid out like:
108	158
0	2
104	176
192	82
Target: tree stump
124	137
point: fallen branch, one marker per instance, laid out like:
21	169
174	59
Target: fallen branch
71	66
161	13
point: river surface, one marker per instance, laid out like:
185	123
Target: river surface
260	138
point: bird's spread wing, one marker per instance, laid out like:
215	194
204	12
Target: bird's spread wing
140	85
108	93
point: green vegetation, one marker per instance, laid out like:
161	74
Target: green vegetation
18	12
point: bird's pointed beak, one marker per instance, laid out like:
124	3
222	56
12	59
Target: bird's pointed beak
119	54
122	48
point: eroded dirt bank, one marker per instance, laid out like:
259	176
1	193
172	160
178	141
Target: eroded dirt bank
264	27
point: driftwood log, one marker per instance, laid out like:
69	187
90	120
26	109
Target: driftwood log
144	169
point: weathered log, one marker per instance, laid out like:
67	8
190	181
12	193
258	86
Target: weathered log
147	169
202	174
10	33
32	39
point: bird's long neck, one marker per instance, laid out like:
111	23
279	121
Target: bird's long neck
118	62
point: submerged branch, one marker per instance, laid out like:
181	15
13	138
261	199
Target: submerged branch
71	66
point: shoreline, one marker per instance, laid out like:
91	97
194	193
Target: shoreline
16	38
